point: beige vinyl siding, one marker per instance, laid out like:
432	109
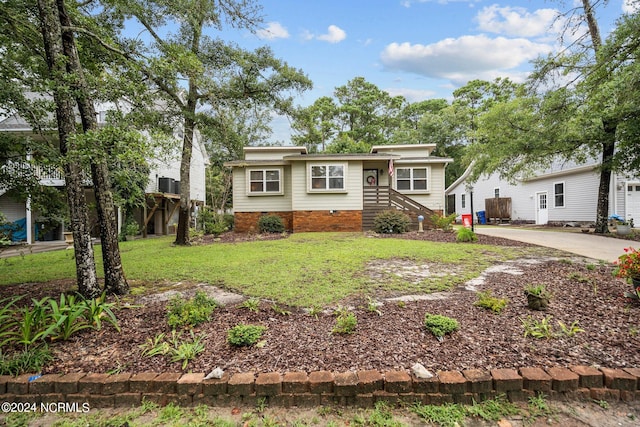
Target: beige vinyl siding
434	198
242	202
349	199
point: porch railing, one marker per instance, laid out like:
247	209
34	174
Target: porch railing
378	199
46	174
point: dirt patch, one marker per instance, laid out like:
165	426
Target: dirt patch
407	270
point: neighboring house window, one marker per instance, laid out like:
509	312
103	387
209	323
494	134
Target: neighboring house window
265	181
558	192
496	192
327	177
463	200
411	179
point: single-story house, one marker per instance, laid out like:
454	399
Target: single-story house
566	192
335	192
156	216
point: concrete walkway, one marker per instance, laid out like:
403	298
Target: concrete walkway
587	245
33	249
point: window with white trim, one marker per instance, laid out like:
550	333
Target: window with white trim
411	179
327	177
463	200
265	181
558	194
496	192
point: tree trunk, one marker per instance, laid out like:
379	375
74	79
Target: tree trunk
52	37
609	144
182	234
114	278
608	149
184	220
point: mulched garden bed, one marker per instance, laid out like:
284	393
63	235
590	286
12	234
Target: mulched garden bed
395	338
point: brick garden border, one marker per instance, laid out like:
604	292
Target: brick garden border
352	388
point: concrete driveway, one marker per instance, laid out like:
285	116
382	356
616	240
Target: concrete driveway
588	245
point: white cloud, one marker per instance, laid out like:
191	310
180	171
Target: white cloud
412	95
464	58
630	6
334	34
408	3
517	21
274	30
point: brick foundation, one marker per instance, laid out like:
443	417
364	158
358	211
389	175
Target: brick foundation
247	222
304	221
352	388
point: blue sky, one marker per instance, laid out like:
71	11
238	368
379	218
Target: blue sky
417	48
420	49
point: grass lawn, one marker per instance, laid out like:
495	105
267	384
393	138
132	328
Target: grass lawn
302	270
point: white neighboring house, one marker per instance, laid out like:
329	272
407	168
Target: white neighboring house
565	192
162	191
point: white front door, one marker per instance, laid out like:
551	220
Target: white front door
633	202
542	213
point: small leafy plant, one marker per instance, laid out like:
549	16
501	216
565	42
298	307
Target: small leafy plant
345	323
440	325
156	346
570	330
251	304
537	290
185	351
544	328
314	311
245	335
68	316
192	312
537	297
279	310
175	346
31	359
575	276
97	310
443	222
538	328
391	221
372	306
34	324
489	302
466	235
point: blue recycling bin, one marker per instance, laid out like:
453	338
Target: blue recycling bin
482	217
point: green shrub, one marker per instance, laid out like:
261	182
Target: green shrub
391	222
270	224
443	222
488	301
212	222
466	235
245	335
229	220
192	312
131	228
440	325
